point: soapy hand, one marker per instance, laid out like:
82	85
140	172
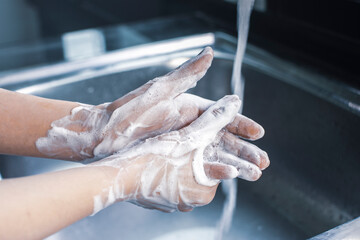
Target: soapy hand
159	106
94	132
178	170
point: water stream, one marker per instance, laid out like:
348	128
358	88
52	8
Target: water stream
229	187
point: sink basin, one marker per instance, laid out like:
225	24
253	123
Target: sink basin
308	189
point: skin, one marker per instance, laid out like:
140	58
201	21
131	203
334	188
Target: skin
165	179
37	206
176	111
49	202
38	113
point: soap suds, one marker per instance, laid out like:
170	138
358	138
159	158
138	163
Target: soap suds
73	136
93	132
166	164
169	166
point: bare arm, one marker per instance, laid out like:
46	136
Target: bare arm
37	206
25	118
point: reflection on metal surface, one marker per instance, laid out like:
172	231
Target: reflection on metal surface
260	5
318	84
128	36
173	63
189	234
121	67
83	44
131	53
347	231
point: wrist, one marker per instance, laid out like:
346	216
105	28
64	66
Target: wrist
93	122
119	181
75	136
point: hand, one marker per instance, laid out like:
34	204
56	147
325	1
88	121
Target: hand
159	106
98	131
176	170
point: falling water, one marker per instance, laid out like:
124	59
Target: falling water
229	187
244	11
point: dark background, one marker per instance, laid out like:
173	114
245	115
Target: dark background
322	34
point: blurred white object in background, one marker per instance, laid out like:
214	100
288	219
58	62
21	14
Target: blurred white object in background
189	234
83	44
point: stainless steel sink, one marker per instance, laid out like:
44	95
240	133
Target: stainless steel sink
306	190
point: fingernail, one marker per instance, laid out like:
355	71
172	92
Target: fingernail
232	101
264	162
261	132
257	175
206	50
255	131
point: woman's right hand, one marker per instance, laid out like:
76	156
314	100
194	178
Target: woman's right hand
181	169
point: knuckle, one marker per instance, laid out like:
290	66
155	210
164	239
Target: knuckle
218	111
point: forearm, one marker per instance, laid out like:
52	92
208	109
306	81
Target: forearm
37	206
26	118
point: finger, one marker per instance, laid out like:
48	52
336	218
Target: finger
175	82
241	125
246	128
245	150
185	76
131	95
246	170
220	171
201	103
206	127
184	207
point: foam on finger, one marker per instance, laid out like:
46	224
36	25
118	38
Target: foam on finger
218	170
246	170
245	150
215	118
246	128
205	129
186	75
